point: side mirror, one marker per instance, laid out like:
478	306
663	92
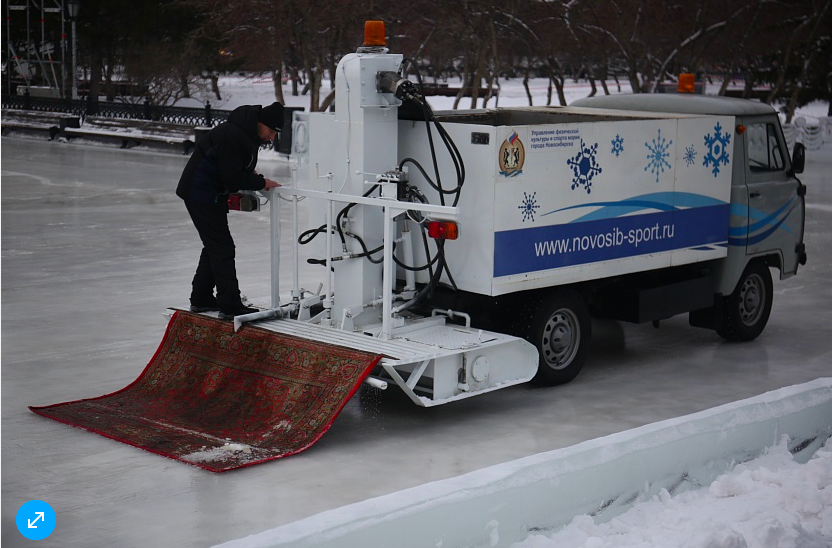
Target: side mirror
798	158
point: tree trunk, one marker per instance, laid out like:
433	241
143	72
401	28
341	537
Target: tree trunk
526	86
726	80
185	89
315	90
295	77
603	78
792	103
476	78
109	89
95	76
549	93
215	86
277	80
493	73
748	89
632	75
329	101
461	92
559	86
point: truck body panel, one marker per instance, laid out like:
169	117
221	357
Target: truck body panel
554	204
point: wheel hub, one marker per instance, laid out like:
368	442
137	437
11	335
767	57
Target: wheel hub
561	338
751	300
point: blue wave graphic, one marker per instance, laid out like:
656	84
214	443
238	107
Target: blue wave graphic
762	219
757	238
659	201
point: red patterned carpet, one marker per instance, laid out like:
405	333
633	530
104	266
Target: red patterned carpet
222	400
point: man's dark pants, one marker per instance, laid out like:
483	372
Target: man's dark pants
216	263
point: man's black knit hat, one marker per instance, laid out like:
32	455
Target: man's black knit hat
272	116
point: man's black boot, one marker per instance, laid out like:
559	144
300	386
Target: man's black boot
204	305
240	310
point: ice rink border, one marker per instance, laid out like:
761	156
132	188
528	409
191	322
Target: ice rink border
500	505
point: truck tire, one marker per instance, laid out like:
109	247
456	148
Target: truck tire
561	330
747	309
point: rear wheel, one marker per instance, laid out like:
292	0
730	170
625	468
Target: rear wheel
561	331
747	309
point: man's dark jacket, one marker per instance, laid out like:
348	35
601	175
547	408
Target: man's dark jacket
224	160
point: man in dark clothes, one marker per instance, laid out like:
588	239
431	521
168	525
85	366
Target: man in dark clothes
223	161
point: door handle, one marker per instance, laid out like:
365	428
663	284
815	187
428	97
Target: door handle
755	194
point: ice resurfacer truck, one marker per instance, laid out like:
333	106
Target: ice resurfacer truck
470	249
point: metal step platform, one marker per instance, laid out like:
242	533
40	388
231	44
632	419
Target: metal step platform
433	365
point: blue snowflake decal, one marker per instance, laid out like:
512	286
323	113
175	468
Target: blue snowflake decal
690	156
529	206
717	149
617	145
657	158
584	166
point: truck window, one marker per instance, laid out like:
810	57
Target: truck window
764	150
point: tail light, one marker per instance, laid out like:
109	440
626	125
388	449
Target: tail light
443	230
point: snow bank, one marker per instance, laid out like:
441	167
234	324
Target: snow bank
772	501
603	478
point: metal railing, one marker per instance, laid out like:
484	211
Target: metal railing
206	116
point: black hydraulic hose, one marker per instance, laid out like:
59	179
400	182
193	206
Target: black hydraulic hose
346	210
427	177
456	157
428	113
309	235
445	264
427	251
417	268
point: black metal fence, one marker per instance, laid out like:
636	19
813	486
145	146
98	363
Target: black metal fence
206	116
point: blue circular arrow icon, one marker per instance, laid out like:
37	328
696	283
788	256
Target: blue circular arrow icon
36	520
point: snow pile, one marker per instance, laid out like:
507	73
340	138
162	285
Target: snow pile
217	453
769	502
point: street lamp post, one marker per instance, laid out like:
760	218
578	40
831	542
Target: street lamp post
73	6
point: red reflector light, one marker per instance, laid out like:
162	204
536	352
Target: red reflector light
234	202
443	230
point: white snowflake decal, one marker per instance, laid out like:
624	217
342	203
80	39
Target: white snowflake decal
717	149
529	206
690	156
584	167
657	158
617	145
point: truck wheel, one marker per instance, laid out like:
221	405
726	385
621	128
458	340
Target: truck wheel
747	309
561	330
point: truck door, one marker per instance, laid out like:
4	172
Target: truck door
775	204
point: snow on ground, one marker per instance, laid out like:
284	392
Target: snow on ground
769	502
243	90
